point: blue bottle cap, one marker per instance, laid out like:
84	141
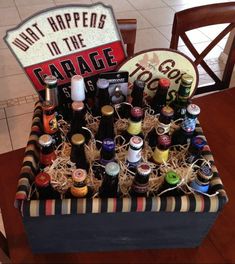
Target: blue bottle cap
108	144
198	142
205	172
202	188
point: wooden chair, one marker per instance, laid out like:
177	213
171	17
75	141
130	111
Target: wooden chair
200	17
128	31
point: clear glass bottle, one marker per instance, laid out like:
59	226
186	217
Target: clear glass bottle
50	124
47	151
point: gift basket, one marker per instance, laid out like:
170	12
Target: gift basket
115	159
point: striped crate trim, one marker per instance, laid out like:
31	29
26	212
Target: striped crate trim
35	208
192	203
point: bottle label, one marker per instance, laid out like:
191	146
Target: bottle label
133	155
162	128
50	124
46	159
160	156
139	188
134	128
79	191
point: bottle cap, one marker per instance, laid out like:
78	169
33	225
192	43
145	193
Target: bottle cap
136	142
187	79
198	142
45	140
50	79
172	178
42	179
77	139
77	88
164	83
164	140
137	112
77	106
139	84
79	175
102	84
108	144
144	169
167	111
47	105
107	110
193	110
112	168
205	172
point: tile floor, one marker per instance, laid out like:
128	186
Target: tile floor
155	18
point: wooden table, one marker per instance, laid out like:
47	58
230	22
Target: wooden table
218	121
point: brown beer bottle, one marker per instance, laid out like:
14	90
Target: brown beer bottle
161	152
137	93
47	152
106	126
78	155
159	99
162	127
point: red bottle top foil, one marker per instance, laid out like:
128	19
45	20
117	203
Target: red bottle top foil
42	179
137	112
164	83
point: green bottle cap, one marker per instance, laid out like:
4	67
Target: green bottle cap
172	178
112	169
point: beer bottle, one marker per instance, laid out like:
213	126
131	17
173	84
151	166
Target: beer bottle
47	152
201	182
195	149
159	99
79	188
182	98
109	186
106	126
161	152
162	127
78	121
50	124
44	190
107	154
134	152
77	155
171	180
102	93
184	134
137	93
51	90
135	124
77	88
141	181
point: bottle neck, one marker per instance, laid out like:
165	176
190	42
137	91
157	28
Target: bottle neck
134	128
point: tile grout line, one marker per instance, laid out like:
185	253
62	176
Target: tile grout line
8	129
18	10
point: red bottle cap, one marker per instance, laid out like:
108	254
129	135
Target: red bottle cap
137	112
164	140
165	83
42	179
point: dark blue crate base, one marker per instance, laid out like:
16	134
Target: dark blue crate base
117	231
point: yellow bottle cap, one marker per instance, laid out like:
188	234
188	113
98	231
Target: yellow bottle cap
79	175
77	139
107	110
187	79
